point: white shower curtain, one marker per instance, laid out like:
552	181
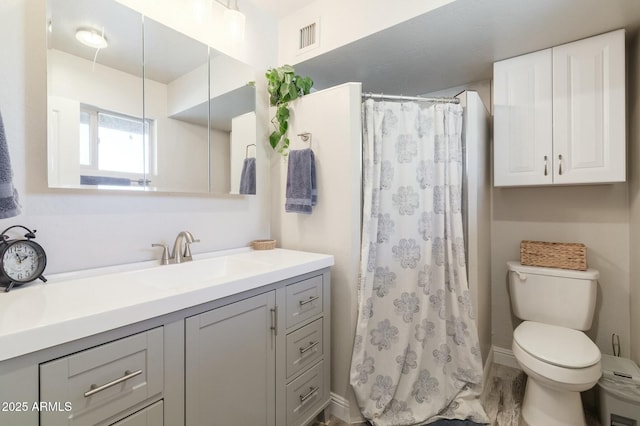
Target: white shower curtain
416	356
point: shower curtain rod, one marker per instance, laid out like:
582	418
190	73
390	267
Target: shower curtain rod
410	98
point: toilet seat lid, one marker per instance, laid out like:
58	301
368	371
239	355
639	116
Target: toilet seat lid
555	345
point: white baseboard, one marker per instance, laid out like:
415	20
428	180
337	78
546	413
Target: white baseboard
487	366
505	357
339	407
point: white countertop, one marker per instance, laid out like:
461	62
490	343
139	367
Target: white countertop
74	305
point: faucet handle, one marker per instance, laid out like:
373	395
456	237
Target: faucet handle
187	249
165	253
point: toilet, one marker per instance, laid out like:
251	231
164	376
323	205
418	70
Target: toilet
556	306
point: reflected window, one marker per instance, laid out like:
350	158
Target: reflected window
116	144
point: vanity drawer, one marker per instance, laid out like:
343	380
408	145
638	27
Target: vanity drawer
152	415
304	300
304	347
304	393
101	382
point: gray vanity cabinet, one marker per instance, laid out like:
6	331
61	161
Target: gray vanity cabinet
117	378
230	364
263	360
97	384
259	357
304	367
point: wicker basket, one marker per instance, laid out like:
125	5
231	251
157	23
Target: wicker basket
263	244
554	255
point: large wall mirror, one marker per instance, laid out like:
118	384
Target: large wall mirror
150	110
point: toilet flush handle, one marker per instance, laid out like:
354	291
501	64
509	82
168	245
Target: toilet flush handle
522	276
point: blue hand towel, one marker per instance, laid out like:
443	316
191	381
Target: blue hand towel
302	192
248	176
9	206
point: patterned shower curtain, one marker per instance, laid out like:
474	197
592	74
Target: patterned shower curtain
416	356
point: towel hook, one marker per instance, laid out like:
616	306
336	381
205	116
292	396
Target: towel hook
246	151
306	137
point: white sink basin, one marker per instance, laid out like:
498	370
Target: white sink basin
187	275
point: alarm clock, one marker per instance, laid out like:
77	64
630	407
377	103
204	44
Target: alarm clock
22	260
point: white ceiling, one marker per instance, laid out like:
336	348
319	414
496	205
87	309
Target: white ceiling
458	43
450	46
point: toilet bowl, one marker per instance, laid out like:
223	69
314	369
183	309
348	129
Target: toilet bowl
550	346
560	363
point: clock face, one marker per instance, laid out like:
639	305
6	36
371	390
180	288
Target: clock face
22	262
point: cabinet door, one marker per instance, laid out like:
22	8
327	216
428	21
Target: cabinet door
230	364
589	110
522	120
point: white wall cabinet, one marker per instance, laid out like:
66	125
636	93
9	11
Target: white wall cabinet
559	114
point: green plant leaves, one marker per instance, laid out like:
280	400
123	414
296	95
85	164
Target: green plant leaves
274	139
279	142
284	85
304	85
282	116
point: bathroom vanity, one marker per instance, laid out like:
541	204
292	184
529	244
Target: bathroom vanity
240	337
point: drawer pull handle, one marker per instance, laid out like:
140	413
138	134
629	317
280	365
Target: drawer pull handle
274	320
545	165
560	164
309	300
308	348
309	394
95	388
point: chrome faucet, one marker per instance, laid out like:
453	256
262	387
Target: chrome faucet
181	249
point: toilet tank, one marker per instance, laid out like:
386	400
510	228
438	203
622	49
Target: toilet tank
554	296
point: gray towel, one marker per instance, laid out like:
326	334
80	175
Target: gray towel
302	192
104	180
248	176
9	206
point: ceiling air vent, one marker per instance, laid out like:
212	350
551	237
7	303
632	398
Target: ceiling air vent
309	37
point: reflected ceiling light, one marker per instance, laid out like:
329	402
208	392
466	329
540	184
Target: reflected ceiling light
234	21
91	38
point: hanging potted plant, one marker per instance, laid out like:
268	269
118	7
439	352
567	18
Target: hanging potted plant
284	85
